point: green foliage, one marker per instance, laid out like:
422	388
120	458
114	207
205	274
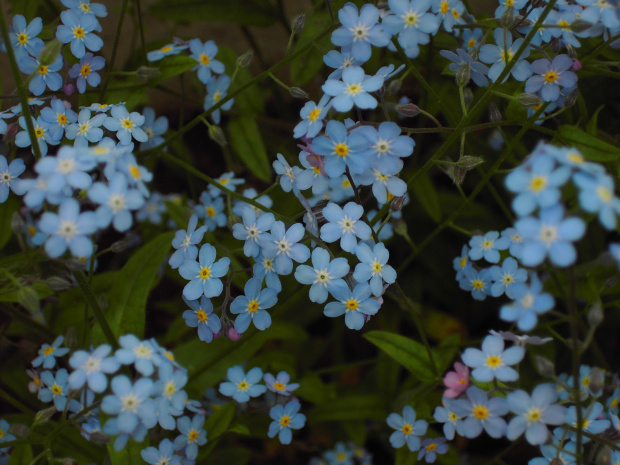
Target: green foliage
592	148
248	144
256	13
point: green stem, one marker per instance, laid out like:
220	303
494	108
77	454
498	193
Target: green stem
117	38
90	298
141	27
15	403
21	86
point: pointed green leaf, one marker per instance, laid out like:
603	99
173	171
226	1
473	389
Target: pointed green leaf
354	407
247	142
427	196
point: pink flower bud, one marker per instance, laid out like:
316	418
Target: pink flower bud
576	65
232	334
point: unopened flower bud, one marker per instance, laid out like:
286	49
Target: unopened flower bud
244	60
522	21
298	23
99	438
597	382
44	415
393	87
233	220
576	65
56	283
554	45
494	113
508	18
529	100
121	245
217	135
571	51
468	96
69	87
604	456
595	315
17	223
50	52
468	162
463	75
571	98
297	92
397	203
400	227
18	429
147	72
11	131
579	25
232	334
544	366
408	109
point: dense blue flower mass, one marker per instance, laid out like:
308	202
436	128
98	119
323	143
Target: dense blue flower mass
550	76
413	23
344	224
342	149
44	75
23	36
529	302
116	202
90	368
282	246
131	404
85	72
323	275
373	267
192	435
77	30
360	30
353	89
68	229
487	246
499	55
253	230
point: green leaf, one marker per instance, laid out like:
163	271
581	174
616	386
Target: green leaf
427	196
6	214
409	353
21	455
218	422
28	296
128	455
127	298
308	65
591	147
247	142
354	407
249	101
592	125
172	66
254	13
405	457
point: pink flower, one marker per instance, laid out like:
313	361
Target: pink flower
456	381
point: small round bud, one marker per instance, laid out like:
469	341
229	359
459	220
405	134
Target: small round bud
17	224
42	416
468	162
103	302
529	100
555	45
595	315
494	114
579	25
463	75
400	227
56	283
408	109
604	456
508	18
521	21
297	92
468	96
121	245
11	131
298	23
397	203
20	430
393	87
232	334
244	60
571	98
69	87
597	382
217	135
147	72
544	366
50	52
576	65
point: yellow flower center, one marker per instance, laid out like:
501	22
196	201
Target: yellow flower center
78	32
351	304
48	351
170	388
342	150
62	119
39	132
481	412
1	434
193	435
85	71
407	429
493	361
604	194
56	390
314	114
201	315
455	14
354	89
210	211
471	43
538	183
574	157
205	272
346	184
166	49
22	39
127	123
478	284
204	59
533	414
243	386
285	420
614	402
431	447
278	386
411	18
452	417
585	381
551	76
444	7
316	170
217	96
252	306
376	267
32	231
463	262
134	171
509	2
43	70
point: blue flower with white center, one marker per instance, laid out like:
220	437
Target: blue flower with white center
431	447
84	6
136	174
226	180
285	418
344	224
538	184
217	89
287	173
506	277
4	432
126	125
162	455
204	274
550	235
534	413
413	23
170	387
340	60
90	368
313	175
68	228
281	384
58	115
264	268
360	30
451	421
323	275
37	191
478	282
478	71
515	240
571	157
482	412
211	210
384	186
241	386
499	55
471	38
132	405
253	231
41	131
408	429
116	202
550	76
250	193
192	435
282	245
487	246
387	147
312	115
461	262
141	354
373	267
342	150
353	89
23	36
564	19
78	31
154	128
339	455
48	353
9	177
552	453
86	71
166	50
492	362
86	129
252	307
153	209
66	169
601	13
55	389
597	196
201	316
43	75
356	305
204	54
529	302
590	421
504	4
